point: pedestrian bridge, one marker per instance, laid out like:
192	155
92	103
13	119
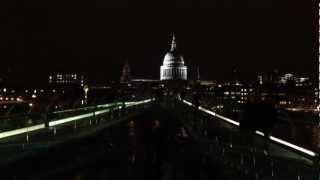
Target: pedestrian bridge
221	138
215	136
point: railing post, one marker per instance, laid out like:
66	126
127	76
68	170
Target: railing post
75	125
54	130
27	135
242	160
272	172
94	113
111	113
119	111
223	151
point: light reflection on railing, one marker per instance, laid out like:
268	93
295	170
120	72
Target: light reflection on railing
72	118
248	158
272	138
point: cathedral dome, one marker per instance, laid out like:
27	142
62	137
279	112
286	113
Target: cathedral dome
173	58
173	67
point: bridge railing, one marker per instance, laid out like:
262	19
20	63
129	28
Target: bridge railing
251	159
31	123
257	165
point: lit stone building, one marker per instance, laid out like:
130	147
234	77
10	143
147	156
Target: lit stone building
173	67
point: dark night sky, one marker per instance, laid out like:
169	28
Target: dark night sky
90	37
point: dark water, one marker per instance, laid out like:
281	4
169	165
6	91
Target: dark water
301	129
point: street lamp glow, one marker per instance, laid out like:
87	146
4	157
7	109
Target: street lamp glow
19	99
86	90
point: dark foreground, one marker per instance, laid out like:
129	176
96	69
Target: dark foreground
149	146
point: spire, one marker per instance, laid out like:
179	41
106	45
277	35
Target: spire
198	73
173	43
125	77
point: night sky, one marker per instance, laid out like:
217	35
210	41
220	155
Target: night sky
96	37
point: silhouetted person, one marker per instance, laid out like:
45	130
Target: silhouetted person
249	119
183	94
196	103
196	99
268	119
258	115
159	94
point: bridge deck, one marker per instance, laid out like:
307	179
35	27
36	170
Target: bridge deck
185	146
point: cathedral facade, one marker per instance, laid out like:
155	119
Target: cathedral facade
173	67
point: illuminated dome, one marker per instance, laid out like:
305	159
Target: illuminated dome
172	57
173	67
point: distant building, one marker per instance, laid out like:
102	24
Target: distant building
126	73
286	77
173	67
66	79
302	82
260	79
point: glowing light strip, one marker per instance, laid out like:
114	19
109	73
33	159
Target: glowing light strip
89	107
69	119
228	120
74	118
139	102
21	131
301	149
101	112
65	120
188	103
214	114
275	139
72	110
260	133
280	141
109	105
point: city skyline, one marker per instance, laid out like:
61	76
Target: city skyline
97	42
183	89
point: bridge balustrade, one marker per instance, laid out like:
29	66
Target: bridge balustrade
34	131
245	152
